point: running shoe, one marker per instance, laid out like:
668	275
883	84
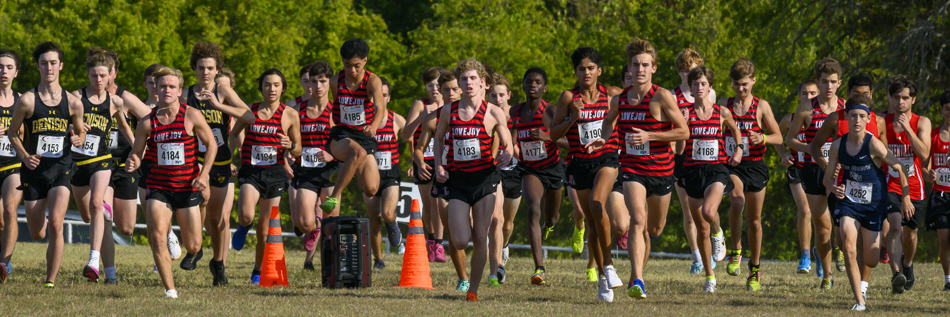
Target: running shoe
379	264
308	266
393	233
538	277
804	264
909	273
577	240
297	232
493	282
719	246
174	248
255	278
826	283
696	267
622	240
329	205
819	270
402	248
239	237
884	257
154	268
471	297
946	287
604	293
3	272
49	285
107	211
735	262
504	255
592	275
547	232
430	250
637	290
218	275
859	307
839	260
91	273
613	281
439	253
111	281
310	241
171	293
898	282
190	262
462	286
501	274
710	286
752	283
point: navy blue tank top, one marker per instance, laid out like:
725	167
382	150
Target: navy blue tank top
863	180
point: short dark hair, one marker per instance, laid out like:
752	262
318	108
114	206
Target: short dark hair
586	52
859	80
945	97
623	72
700	72
320	67
431	73
354	48
268	72
151	69
44	48
305	70
859	99
386	83
446	76
535	70
11	54
899	83
807	82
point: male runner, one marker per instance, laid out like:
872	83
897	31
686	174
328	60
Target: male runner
9	163
382	207
420	109
938	172
793	161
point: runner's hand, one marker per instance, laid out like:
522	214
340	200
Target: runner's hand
285	141
907	208
638	137
756	138
788	160
74	139
576	108
425	171
441	175
132	163
234	170
504	158
537	134
207	95
839	191
289	171
33	161
735	159
200	182
370	131
325	157
595	145
932	176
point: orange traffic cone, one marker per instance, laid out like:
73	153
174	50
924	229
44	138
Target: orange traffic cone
274	269
415	263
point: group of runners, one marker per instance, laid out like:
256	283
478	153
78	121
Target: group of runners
627	148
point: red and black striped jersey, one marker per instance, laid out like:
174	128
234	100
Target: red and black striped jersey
428	153
817	120
899	144
387	144
747	122
704	145
261	146
589	127
314	136
173	153
652	158
353	109
798	157
468	141
535	154
938	154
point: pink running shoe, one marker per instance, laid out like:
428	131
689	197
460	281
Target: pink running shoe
439	253
310	240
430	250
622	241
107	211
91	273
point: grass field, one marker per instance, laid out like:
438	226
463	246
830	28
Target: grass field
672	291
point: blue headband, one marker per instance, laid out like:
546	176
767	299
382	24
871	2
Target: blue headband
858	107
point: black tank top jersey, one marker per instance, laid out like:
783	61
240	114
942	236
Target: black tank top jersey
531	149
100	124
46	132
314	135
469	143
347	112
653	158
118	144
864	181
174	154
704	145
219	122
387	142
746	122
817	120
8	156
261	146
589	127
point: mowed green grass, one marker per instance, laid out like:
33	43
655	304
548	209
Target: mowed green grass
672	291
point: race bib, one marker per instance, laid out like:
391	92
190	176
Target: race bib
908	163
637	150
533	151
6	149
824	150
705	150
171	154
858	192
353	115
466	150
731	146
801	157
113	140
89	147
511	165
384	161
50	146
218	139
590	131
310	158
263	155
430	149
943	176
445	155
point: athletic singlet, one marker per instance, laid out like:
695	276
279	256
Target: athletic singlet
704	145
843	124
118	144
353	109
798	157
174	154
261	146
469	143
652	158
938	154
299	103
219	122
861	177
446	145
314	135
428	154
535	154
899	144
589	127
817	120
8	157
46	133
746	122
387	145
96	145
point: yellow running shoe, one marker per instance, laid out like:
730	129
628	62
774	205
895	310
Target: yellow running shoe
592	275
577	241
538	278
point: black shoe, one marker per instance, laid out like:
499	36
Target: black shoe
308	266
898	282
500	274
217	273
395	235
298	232
946	287
909	273
190	262
379	264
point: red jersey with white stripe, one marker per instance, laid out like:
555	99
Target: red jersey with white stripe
314	136
747	122
817	120
589	127
938	154
173	152
535	154
652	158
387	145
261	146
470	144
354	109
899	144
704	145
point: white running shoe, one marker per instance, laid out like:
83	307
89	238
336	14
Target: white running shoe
859	307
719	246
154	269
613	281
604	293
710	286
174	249
170	293
402	248
504	256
